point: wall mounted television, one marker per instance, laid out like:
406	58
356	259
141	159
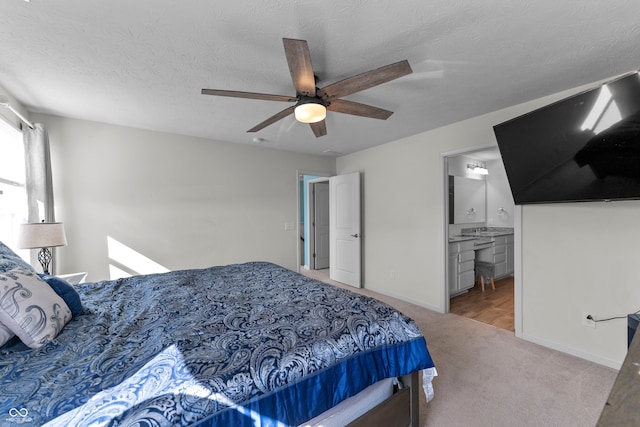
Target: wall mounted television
583	148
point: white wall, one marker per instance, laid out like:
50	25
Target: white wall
499	196
183	202
581	258
187	202
575	257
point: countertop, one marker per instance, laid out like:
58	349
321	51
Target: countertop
453	239
483	233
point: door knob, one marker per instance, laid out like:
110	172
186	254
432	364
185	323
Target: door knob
355	235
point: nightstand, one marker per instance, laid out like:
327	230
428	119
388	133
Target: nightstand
73	278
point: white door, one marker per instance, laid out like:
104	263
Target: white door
321	224
345	232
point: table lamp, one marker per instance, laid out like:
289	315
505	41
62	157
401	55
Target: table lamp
43	235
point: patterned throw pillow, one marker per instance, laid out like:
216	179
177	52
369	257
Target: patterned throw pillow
30	308
10	260
5	334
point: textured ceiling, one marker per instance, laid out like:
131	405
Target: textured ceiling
143	63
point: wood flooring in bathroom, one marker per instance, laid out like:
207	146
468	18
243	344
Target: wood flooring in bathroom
494	307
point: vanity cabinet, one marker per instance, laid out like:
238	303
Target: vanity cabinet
500	253
461	266
510	251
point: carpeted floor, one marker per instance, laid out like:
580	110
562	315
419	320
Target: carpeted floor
488	377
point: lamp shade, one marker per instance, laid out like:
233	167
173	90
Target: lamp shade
310	112
41	235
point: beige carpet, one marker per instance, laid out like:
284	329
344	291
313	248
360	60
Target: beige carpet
488	377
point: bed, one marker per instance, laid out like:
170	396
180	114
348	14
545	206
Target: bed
244	345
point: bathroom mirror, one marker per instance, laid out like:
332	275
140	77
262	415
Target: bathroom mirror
467	200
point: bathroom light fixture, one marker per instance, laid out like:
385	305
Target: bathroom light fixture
310	110
478	169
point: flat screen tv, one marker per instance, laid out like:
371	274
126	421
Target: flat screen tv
583	148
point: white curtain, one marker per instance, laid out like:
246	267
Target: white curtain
38	178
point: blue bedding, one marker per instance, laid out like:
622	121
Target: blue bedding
242	345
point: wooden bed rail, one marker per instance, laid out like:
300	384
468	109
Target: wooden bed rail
401	409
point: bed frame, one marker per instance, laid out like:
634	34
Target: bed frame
401	409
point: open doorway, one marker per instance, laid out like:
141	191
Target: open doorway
305	253
329	226
317	244
479	230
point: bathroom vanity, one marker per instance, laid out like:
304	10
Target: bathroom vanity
461	265
489	244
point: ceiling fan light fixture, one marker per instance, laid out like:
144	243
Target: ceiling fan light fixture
310	111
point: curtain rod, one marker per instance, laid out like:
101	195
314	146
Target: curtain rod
4	101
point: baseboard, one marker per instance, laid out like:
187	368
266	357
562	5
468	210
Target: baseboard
611	363
405	299
615	364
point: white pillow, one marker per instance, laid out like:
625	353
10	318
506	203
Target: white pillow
5	334
30	308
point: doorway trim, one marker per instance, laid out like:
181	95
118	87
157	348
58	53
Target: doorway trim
311	206
517	270
300	174
517	237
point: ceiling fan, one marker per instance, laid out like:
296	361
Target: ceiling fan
312	103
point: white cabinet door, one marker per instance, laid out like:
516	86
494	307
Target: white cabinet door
461	267
466	270
510	267
453	269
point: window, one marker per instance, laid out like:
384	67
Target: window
13	193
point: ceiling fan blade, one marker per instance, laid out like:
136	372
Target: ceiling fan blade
299	60
357	109
319	128
366	80
271	120
248	95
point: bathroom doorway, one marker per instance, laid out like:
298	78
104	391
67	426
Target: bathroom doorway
495	217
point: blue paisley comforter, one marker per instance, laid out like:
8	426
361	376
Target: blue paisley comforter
249	344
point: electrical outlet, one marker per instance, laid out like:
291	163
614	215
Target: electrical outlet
589	323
